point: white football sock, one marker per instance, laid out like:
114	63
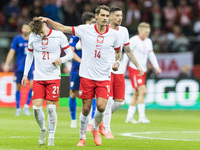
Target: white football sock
107	115
39	117
98	118
83	126
52	120
141	110
116	106
131	112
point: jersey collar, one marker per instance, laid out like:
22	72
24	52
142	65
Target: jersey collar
95	27
140	37
117	27
49	32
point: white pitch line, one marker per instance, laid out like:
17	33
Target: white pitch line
135	135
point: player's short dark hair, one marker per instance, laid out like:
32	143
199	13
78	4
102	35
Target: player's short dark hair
113	9
36	25
87	16
104	7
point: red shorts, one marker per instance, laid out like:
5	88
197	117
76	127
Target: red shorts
117	86
91	88
135	79
48	89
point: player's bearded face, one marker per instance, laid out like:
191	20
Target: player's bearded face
102	17
117	17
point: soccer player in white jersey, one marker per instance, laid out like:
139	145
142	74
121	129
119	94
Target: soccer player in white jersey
98	44
117	88
142	48
45	46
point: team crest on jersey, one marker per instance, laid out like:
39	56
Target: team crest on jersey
44	41
100	39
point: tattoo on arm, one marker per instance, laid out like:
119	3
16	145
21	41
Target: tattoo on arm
130	55
118	55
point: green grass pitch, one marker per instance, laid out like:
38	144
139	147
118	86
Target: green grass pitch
168	130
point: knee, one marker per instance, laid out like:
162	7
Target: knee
86	111
142	92
101	108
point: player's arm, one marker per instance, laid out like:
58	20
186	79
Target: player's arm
131	57
154	62
28	63
75	56
118	56
57	26
9	58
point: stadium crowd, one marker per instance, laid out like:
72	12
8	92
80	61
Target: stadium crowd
175	24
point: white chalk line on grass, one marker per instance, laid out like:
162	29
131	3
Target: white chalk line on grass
139	136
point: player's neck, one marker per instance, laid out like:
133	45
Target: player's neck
101	28
113	26
141	37
25	37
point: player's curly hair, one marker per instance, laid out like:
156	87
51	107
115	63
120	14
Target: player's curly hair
36	25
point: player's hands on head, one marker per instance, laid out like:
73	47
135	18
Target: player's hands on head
24	79
44	19
6	68
57	62
141	72
115	66
158	70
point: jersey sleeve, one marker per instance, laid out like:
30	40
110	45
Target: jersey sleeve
73	41
79	30
152	56
30	43
14	43
126	39
117	45
63	41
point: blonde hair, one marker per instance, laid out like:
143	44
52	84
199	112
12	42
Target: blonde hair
36	25
144	25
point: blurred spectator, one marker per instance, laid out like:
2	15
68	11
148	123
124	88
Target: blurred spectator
11	12
196	28
36	9
197	5
186	72
23	17
177	41
170	15
185	16
132	17
2	21
156	22
51	10
71	15
146	11
159	41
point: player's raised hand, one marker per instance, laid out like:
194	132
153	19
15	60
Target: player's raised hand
158	70
57	62
24	79
115	66
44	19
141	72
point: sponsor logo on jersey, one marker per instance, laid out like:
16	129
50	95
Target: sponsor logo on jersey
100	39
44	41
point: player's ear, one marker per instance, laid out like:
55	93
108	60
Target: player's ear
96	16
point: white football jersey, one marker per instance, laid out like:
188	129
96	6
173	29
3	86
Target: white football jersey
45	51
124	41
142	50
97	51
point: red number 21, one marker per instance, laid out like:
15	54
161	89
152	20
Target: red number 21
45	55
97	54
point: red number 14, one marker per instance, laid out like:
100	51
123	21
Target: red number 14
97	54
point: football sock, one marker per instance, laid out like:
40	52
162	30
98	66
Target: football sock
72	107
107	115
98	118
29	97
141	110
116	106
83	126
18	97
39	117
52	120
131	112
